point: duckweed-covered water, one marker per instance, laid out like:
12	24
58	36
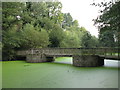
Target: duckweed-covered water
58	74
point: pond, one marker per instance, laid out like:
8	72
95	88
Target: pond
58	74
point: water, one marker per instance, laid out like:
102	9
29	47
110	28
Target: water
59	74
111	63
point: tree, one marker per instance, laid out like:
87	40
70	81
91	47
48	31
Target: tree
108	22
70	40
28	24
36	25
75	23
10	13
51	10
56	36
107	39
67	21
89	41
34	38
95	42
11	40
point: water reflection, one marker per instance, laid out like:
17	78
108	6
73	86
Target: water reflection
111	63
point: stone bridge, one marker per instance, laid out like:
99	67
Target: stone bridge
81	56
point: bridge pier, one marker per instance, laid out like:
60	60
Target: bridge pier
36	58
87	60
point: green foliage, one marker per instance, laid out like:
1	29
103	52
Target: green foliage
67	22
11	40
27	25
56	36
95	42
10	11
107	39
47	23
75	23
108	23
36	25
70	40
89	41
34	38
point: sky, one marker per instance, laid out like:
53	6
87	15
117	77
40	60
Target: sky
82	11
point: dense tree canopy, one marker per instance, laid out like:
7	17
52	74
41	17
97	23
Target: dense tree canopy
37	25
109	24
56	36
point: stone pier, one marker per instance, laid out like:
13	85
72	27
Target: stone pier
78	60
37	58
87	61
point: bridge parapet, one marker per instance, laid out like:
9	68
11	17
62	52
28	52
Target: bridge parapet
53	51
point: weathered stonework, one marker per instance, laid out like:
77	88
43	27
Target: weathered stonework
87	60
78	60
35	58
